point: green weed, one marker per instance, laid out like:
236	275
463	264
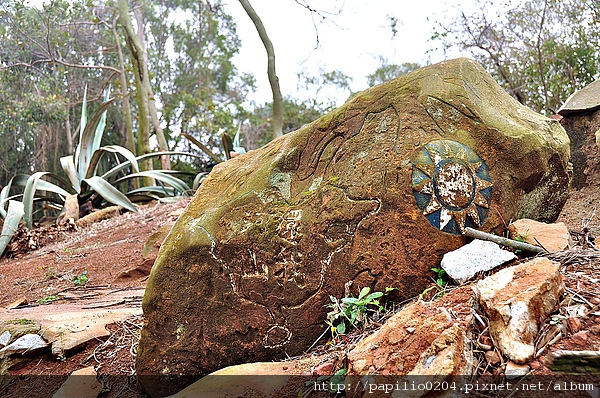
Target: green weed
80	279
352	311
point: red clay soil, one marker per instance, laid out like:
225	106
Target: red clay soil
110	254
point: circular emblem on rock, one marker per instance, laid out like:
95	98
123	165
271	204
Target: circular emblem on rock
452	186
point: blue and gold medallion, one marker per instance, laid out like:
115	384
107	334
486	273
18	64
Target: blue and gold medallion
452	186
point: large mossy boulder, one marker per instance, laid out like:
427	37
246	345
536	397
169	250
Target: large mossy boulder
376	192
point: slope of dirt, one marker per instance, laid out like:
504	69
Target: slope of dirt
103	251
109	253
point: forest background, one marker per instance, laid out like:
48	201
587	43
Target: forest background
169	65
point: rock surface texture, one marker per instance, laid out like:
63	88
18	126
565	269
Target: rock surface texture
517	300
581	114
374	192
552	237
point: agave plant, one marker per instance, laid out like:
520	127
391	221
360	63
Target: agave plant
82	169
12	218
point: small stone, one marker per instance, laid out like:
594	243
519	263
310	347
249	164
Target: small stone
493	357
595	329
27	343
552	237
514	371
5	338
574	324
81	383
410	330
479	255
516	300
595	300
580	338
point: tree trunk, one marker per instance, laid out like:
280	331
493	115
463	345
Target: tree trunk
273	79
160	135
142	84
135	48
128	134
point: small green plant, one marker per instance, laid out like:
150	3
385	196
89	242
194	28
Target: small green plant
521	238
80	279
337	382
48	299
430	288
440	274
61	357
51	273
352	311
21	321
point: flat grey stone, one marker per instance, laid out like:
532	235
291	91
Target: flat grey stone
23	344
479	255
4	338
586	99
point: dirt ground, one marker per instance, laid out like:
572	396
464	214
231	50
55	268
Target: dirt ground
111	254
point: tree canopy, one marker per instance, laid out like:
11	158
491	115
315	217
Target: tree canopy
170	66
540	51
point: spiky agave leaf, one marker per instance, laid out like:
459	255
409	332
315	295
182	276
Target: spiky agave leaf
85	148
155	190
101	123
161	176
34	182
109	193
141	158
4	198
69	168
82	122
11	223
126	153
202	147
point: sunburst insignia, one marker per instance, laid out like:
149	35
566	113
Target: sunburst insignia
452	186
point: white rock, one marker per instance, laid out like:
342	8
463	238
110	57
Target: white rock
515	371
23	344
479	255
4	338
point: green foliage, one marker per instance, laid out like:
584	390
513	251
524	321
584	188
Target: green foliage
21	321
196	81
352	311
440	279
38	91
48	299
257	129
540	51
80	279
389	71
336	380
